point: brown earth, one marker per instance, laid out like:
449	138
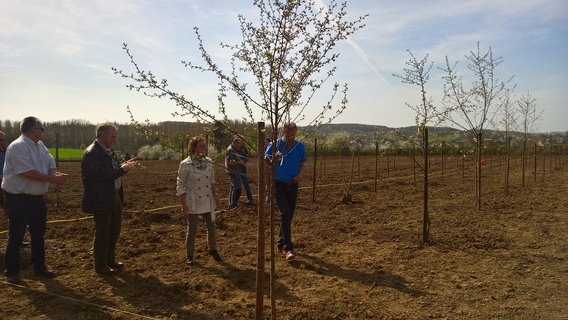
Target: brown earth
358	260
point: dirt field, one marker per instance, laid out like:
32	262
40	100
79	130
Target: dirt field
359	260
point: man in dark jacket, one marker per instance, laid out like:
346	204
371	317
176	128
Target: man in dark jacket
101	172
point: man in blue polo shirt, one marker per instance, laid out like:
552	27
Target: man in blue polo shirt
289	158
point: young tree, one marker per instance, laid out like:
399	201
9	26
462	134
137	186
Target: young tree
506	120
472	108
418	73
528	123
287	51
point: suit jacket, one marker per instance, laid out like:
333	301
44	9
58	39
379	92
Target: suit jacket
98	177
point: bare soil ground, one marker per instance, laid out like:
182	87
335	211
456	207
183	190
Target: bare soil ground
357	260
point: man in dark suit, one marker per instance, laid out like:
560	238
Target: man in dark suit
101	172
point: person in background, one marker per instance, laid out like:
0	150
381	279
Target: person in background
244	174
28	170
2	158
101	173
289	159
234	164
197	192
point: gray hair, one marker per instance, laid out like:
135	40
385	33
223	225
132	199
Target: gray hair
290	126
28	124
104	127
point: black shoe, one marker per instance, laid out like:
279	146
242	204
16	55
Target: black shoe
190	261
232	207
45	272
13	279
251	203
116	265
215	255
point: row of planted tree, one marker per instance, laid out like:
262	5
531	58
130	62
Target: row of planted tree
423	158
395	162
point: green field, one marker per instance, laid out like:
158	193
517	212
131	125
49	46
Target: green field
67	154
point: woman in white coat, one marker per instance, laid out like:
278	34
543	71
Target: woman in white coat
197	191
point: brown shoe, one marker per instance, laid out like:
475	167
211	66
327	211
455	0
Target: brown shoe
106	270
290	255
116	265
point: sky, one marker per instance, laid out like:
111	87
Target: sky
56	55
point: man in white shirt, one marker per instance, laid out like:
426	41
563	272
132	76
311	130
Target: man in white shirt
28	170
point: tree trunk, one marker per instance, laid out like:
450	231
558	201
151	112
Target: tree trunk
507	166
478	171
315	165
523	160
535	162
376	164
261	226
426	219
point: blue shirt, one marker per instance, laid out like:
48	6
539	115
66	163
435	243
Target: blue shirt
288	159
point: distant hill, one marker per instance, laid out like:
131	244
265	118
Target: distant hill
351	128
369	133
356	128
367	129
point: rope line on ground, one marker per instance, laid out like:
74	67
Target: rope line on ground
57	221
153	210
79	301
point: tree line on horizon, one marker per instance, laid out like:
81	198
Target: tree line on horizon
77	134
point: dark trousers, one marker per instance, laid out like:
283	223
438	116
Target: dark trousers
2	199
107	231
235	192
286	196
25	211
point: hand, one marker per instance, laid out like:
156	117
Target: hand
129	164
297	178
60	178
